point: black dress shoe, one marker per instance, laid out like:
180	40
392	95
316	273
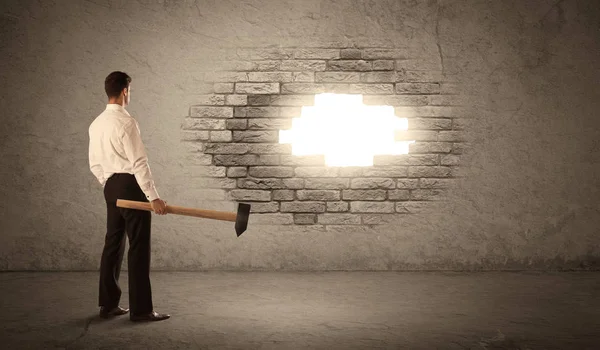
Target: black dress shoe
117	311
152	316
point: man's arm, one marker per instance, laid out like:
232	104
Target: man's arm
95	166
136	153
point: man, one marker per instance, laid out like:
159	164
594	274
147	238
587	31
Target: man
118	160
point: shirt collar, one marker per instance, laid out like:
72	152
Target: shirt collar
117	107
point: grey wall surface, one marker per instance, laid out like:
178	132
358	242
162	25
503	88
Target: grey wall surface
525	194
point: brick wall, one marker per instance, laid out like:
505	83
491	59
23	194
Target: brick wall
234	129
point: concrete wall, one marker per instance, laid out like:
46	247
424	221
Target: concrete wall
504	91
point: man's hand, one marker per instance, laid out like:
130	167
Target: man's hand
159	206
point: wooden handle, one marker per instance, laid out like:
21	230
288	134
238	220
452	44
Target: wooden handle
172	209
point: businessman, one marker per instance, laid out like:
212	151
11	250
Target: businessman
118	159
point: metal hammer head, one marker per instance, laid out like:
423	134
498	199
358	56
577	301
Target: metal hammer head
241	220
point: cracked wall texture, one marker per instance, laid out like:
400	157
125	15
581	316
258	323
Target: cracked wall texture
526	195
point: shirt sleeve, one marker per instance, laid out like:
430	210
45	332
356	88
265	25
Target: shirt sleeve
95	166
136	154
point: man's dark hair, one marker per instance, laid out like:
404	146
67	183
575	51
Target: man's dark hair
115	83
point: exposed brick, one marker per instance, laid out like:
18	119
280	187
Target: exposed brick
201	135
259	100
303	160
305	219
371	207
256	112
232	160
265	53
210	100
236	100
435	183
283	195
384	53
349	65
379	77
220	136
250	195
237	172
430	147
451	136
318	195
304	65
384	171
303	77
417	88
306	207
256	183
371	183
326	183
383	65
398	195
269	124
257	88
317	54
302	88
428	171
450	159
282	77
269	159
203	124
223	88
256	136
430	123
407	183
339	219
270	148
396	100
211	112
271	171
337	77
267	66
270	219
293	100
426	194
231	148
363	195
236	124
268	207
337	207
423	159
371	89
317	171
350	54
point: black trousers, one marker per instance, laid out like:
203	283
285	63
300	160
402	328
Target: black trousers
137	225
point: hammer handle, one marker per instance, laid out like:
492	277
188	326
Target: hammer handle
172	209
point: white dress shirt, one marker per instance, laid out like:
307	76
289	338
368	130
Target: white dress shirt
116	147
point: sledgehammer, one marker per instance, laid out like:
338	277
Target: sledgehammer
241	218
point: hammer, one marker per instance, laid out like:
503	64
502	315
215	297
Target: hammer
241	218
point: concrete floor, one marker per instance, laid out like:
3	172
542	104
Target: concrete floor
324	310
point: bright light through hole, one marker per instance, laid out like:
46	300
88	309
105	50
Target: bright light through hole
345	130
